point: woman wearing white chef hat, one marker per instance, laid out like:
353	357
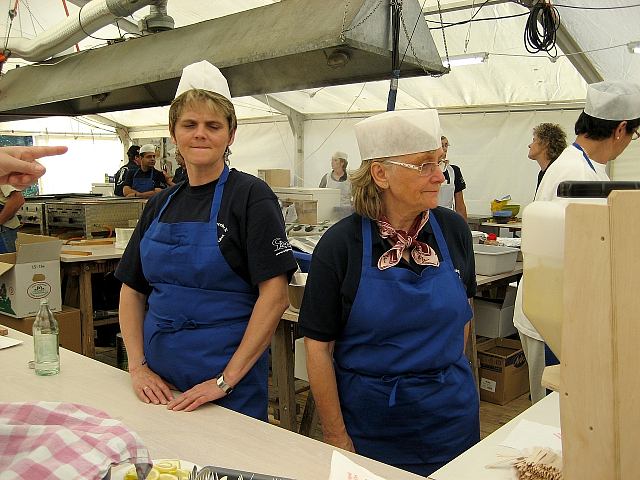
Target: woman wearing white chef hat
211	258
386	313
605	128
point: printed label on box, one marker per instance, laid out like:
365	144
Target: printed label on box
488	385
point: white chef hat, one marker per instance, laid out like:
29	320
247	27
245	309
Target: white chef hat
396	133
619	100
340	155
205	76
149	147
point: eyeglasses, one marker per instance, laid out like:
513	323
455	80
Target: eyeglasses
424	169
635	135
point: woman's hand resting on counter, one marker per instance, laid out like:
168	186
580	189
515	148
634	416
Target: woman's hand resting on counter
341	441
149	387
200	394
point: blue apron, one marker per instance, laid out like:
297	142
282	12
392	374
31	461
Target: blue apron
407	393
141	183
198	309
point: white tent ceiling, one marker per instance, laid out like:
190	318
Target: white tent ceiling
511	77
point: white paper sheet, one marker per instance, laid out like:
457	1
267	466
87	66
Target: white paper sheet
6	342
342	468
527	434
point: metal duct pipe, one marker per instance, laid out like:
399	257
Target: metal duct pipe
92	17
157	20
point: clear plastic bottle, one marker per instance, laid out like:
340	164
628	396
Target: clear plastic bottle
45	341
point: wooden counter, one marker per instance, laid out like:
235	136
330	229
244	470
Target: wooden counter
210	435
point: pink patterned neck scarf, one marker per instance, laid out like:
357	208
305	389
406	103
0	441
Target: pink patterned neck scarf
421	253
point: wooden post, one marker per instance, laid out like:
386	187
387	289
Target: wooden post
600	387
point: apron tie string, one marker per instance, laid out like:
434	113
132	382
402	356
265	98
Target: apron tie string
421	253
180	323
437	376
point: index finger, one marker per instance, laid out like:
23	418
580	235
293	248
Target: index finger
32	153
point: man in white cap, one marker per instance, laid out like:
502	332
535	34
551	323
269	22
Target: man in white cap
337	178
609	122
386	306
210	258
145	181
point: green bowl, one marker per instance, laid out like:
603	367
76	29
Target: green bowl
513	208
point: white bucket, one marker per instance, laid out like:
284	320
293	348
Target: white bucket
122	237
543	248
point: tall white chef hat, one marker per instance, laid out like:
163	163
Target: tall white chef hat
402	132
205	76
619	100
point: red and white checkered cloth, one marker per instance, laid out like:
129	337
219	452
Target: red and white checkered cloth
53	440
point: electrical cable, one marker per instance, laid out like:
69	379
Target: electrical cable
12	14
597	8
541	28
108	40
336	127
444	25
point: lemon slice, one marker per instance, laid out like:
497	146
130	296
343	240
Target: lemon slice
167	466
153	475
167	476
182	474
131	474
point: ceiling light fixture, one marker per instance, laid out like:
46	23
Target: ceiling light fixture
634	47
466	59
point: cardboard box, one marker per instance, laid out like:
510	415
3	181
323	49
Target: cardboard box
68	322
307	210
29	275
504	374
494	317
276	177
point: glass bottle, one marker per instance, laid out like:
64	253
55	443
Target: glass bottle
45	341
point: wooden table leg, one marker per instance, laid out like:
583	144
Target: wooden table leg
86	311
282	371
472	351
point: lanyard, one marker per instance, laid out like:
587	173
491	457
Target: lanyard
584	154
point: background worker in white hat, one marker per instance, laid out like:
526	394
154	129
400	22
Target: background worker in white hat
211	258
605	128
337	178
385	312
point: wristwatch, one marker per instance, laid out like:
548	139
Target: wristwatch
224	386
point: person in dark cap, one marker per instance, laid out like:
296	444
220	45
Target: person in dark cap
132	165
609	122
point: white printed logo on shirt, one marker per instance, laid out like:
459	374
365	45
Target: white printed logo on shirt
224	229
281	246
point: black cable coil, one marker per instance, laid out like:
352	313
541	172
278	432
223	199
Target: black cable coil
541	27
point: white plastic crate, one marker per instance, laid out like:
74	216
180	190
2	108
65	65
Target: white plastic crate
492	259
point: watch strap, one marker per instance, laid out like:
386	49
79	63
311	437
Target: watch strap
224	386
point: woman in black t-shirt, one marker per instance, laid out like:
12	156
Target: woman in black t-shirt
385	313
210	258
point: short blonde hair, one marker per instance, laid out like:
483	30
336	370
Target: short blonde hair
366	195
196	96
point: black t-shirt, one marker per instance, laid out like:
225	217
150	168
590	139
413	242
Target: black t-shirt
336	265
158	178
458	180
180	175
250	229
121	176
